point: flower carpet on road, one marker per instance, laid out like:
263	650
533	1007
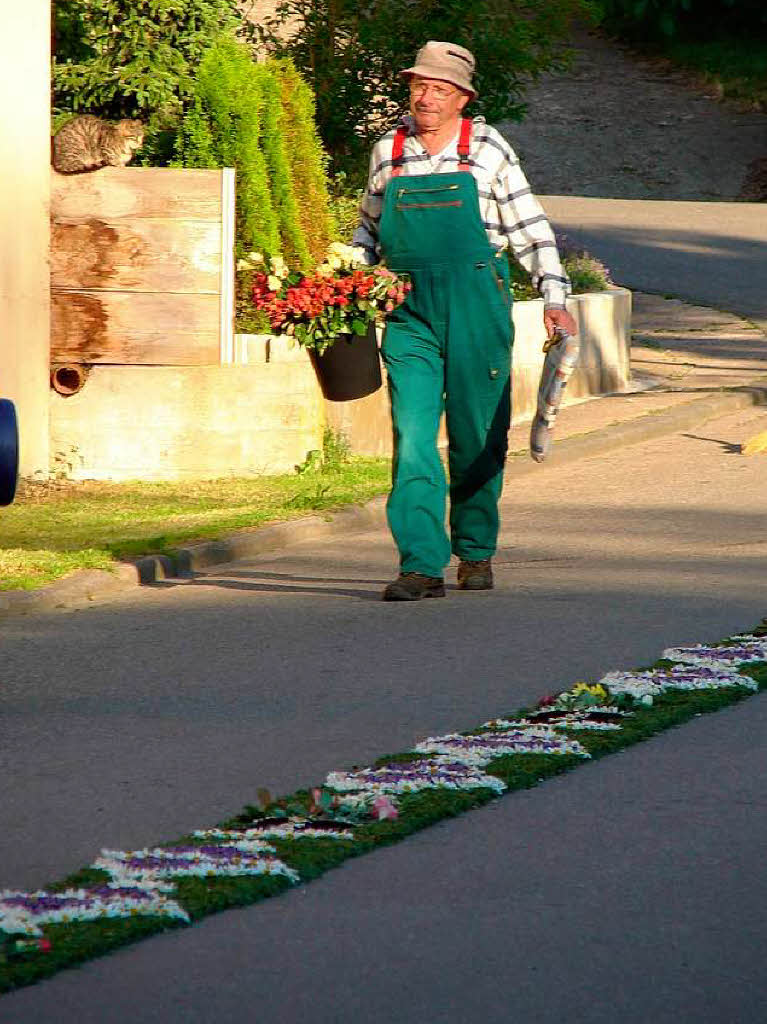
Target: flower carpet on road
125	895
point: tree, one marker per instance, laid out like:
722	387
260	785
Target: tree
351	54
133	58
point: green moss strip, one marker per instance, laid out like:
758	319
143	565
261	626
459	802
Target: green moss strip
79	941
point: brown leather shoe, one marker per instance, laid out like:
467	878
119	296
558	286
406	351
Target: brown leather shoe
475	575
412	586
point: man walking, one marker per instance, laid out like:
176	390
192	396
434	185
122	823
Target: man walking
446	196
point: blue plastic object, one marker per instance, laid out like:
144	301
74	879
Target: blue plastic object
9	451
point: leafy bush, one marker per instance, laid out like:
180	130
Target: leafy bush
134	58
306	158
586	272
258	118
345	201
224	128
352	55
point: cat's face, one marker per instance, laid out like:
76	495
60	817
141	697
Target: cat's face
132	132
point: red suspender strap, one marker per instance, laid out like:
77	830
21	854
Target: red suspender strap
397	157
464	144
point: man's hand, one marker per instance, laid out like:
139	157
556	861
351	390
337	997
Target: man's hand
558	318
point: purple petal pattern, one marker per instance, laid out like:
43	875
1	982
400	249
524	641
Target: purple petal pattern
482	748
646	685
434	773
154	867
743	650
25	912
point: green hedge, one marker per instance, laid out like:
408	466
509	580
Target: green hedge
258	118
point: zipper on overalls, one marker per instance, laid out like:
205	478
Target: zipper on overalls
430	204
420	191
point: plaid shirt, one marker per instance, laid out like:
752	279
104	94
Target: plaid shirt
511	215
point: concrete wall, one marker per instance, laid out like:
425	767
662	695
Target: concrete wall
24	223
185	422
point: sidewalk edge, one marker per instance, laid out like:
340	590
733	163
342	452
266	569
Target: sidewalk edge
90	586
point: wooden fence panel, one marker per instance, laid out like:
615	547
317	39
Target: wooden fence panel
135	327
142	266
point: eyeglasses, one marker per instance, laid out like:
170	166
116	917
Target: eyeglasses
439	92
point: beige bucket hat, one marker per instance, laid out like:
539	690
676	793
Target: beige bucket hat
447	62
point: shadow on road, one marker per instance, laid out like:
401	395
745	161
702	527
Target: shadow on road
260	583
727	446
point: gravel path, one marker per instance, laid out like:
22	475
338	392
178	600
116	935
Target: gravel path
621	127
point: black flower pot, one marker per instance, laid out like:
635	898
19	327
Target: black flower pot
9	451
350	368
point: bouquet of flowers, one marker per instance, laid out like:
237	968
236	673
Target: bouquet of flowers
342	296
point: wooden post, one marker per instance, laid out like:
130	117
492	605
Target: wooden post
227	265
24	223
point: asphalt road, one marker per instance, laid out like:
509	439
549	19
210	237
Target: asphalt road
630	891
711	253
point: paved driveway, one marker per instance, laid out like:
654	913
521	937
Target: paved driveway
712	253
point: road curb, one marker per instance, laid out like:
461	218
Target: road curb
91	586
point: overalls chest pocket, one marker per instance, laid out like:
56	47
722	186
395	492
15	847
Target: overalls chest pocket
437	197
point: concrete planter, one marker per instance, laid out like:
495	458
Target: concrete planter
263	414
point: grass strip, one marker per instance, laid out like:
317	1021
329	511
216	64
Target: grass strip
76	942
54	529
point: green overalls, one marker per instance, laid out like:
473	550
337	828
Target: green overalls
448	347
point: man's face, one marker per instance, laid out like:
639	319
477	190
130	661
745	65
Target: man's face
434	103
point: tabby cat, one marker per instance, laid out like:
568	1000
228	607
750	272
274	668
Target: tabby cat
86	143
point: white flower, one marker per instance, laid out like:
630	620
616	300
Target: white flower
340	255
279	266
436	773
720	656
273	283
482	748
288	830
